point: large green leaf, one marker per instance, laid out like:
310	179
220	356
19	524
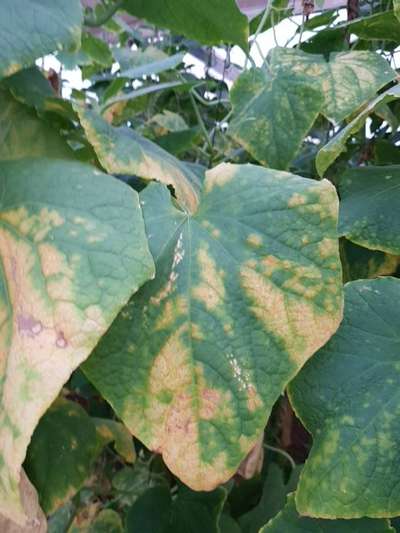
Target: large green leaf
348	398
247	289
275	108
272	113
208	21
61	453
73	250
23	134
331	151
123	151
289	521
369	207
33	28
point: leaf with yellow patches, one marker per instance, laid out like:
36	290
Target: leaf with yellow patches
196	360
348	397
337	144
369	206
290	521
111	431
51	25
294	89
73	250
123	151
23	134
362	263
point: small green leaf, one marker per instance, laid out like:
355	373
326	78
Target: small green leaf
168	121
208	21
396	6
107	521
190	512
197	512
61	454
348	397
336	77
362	263
33	28
370	199
112	431
272	499
123	151
379	26
274	110
331	151
151	513
289	521
73	251
272	113
23	134
30	87
129	59
247	289
96	49
155	67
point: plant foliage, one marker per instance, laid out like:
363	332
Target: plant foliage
199	286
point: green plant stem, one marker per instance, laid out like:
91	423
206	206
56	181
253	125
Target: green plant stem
207	103
200	121
93	22
260	27
281	452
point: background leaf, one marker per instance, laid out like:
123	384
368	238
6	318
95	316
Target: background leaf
61	453
123	151
347	397
209	22
289	521
32	28
370	198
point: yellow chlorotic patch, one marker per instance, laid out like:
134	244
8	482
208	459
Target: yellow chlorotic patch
297	199
254	400
329	200
12	69
197	333
174	424
254	240
219	176
297	322
328	247
36	226
211	290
